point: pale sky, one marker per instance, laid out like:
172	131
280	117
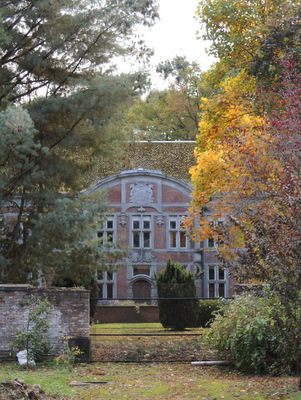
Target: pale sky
175	34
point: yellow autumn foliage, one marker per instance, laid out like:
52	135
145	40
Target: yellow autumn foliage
229	111
233	140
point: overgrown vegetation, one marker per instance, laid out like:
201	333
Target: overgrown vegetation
248	160
208	309
68	356
34	338
251	332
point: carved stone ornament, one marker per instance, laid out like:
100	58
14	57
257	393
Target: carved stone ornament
160	219
123	219
141	256
141	194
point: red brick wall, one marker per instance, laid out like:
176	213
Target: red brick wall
121	283
115	194
70	315
171	195
159	236
126	314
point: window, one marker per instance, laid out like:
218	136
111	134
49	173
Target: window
141	270
141	232
211	290
107	232
217	240
210	242
24	233
109	290
100	275
100	290
177	235
106	284
217	278
211	273
221	233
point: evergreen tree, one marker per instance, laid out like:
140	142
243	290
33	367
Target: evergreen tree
175	282
61	107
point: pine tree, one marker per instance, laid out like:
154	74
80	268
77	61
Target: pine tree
61	108
175	282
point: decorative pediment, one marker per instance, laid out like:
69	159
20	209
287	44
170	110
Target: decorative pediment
141	194
141	256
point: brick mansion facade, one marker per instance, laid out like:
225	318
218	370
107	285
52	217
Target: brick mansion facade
147	207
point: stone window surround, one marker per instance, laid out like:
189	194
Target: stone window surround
105	282
143	234
108	231
215	280
177	218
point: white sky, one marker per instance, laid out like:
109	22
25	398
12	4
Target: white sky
175	34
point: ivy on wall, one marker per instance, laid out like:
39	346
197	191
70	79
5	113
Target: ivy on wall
171	158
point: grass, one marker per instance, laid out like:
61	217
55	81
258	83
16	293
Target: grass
163	381
131	328
153	381
166	346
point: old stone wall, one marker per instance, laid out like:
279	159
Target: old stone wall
69	317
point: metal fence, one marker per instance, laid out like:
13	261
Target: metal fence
146	347
147	342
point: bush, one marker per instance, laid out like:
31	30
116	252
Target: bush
208	309
175	282
34	338
251	332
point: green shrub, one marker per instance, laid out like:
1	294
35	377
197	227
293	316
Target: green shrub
35	337
251	332
208	309
175	282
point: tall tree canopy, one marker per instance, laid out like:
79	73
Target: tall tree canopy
61	104
237	29
251	181
173	113
248	156
247	170
238	153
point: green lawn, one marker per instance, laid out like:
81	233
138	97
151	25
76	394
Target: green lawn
164	345
136	328
153	381
163	381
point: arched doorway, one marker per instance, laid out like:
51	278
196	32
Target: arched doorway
141	291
